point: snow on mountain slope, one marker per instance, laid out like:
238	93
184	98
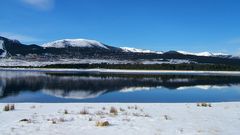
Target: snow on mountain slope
74	43
1	44
2	48
128	49
207	54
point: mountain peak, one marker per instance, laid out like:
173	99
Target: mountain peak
74	43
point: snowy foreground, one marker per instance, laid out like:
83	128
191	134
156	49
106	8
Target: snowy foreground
129	119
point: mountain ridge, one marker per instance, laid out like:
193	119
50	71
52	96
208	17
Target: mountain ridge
85	49
64	43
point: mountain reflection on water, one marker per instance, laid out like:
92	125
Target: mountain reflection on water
84	86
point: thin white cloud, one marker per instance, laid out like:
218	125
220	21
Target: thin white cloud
21	38
40	4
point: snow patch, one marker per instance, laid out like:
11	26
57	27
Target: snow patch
129	49
1	44
207	54
203	87
2	48
74	43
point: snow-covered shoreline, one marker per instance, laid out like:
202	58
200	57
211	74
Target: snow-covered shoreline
123	71
130	119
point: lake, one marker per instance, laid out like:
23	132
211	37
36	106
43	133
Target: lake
22	86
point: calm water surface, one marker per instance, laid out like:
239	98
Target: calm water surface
18	86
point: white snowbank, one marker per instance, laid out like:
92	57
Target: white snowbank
134	119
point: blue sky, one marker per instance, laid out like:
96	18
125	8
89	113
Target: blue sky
190	25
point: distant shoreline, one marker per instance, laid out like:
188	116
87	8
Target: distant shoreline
126	71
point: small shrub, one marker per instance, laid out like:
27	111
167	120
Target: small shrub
65	111
102	123
90	119
166	117
54	122
84	112
122	110
33	107
12	107
135	107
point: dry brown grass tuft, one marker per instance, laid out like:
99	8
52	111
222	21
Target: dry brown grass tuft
9	107
102	123
59	120
6	108
114	111
101	113
204	105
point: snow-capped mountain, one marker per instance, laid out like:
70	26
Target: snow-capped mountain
74	43
129	49
93	43
84	49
